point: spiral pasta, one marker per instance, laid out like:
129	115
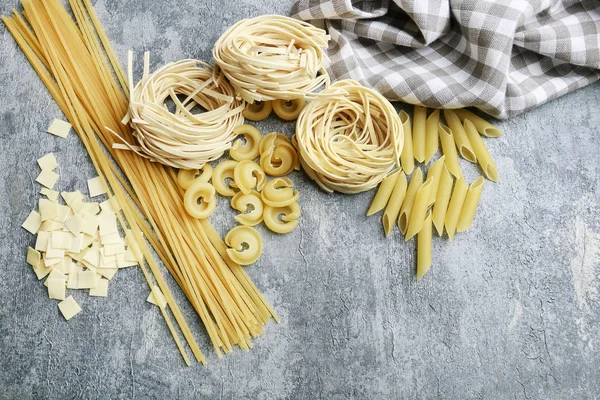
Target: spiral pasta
277	155
272	57
279	192
200	200
245	245
186	177
249	149
250	205
182	139
349	138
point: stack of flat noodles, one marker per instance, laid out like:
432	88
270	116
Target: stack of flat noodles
272	57
182	139
349	138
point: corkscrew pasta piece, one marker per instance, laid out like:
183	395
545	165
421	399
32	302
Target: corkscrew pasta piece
419	209
288	110
245	245
185	177
432	137
449	150
483	157
258	110
418	131
282	219
394	204
407	157
424	247
247	150
249	175
384	193
277	155
250	205
223	171
442	199
415	183
460	136
455	207
279	192
470	205
483	127
200	200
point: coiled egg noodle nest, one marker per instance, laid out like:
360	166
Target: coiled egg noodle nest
183	138
273	57
349	137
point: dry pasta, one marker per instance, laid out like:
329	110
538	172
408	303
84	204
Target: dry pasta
200	200
419	131
407	157
483	127
222	172
250	205
449	151
394	204
288	221
441	200
279	192
185	177
424	247
383	193
415	183
455	206
249	175
288	110
272	57
419	208
470	205
431	135
435	171
245	245
460	137
258	110
483	157
247	150
277	155
349	138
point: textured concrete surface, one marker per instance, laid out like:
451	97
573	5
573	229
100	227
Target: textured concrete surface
508	311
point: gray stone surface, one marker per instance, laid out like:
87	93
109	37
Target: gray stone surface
508	311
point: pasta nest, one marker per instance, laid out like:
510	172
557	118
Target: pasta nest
349	138
273	57
183	138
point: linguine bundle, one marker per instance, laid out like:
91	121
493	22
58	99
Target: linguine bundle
183	138
349	137
272	57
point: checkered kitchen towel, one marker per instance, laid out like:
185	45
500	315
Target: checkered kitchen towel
502	56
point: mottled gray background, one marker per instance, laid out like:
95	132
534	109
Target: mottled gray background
508	311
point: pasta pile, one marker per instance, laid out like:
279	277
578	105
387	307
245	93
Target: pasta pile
430	201
272	57
182	139
349	138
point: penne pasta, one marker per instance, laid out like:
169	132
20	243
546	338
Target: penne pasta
455	207
419	127
393	207
483	156
449	150
424	247
441	200
419	209
407	158
483	127
460	136
415	183
432	137
384	192
470	205
435	171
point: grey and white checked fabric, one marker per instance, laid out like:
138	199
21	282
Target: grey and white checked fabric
503	57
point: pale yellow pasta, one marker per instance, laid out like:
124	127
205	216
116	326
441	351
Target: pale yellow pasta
419	131
424	247
277	155
245	245
483	127
483	156
449	150
247	149
435	171
279	192
250	205
395	202
200	200
470	205
258	110
407	158
223	171
455	207
288	220
441	200
249	175
415	183
431	135
185	177
419	208
460	136
384	192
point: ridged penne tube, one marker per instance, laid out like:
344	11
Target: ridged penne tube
470	205
449	150
245	245
393	205
383	192
455	207
419	129
415	183
483	127
441	200
224	170
407	158
419	209
247	150
200	200
289	218
249	175
435	171
460	136
279	192
424	247
244	202
185	177
431	135
483	156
